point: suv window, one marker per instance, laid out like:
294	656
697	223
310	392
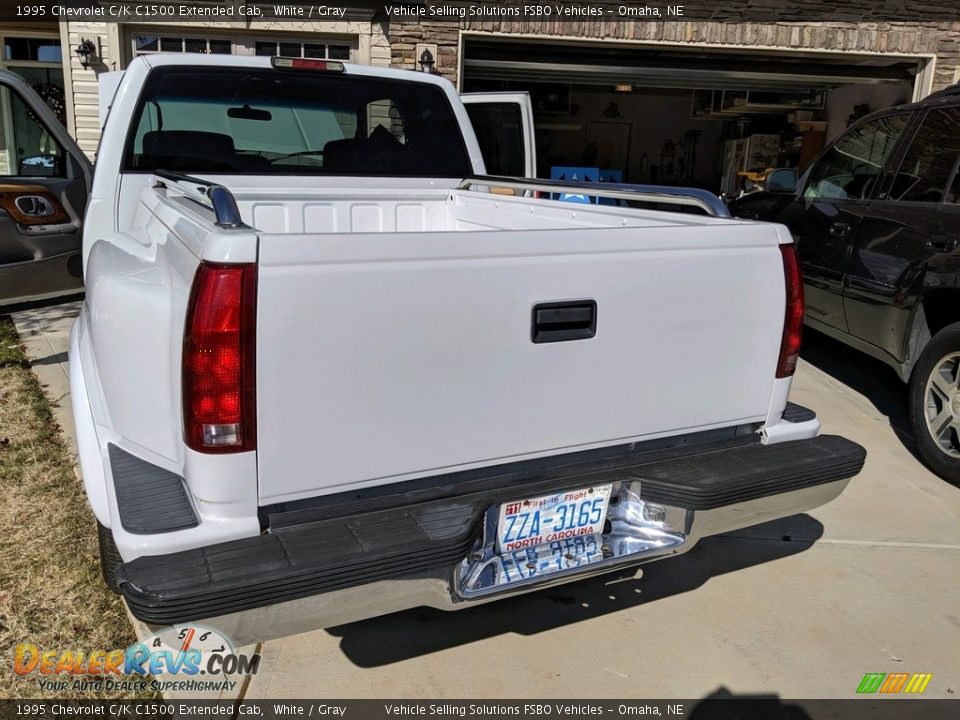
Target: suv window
930	161
852	165
953	194
267	122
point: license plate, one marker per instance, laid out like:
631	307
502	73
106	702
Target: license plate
550	558
552	518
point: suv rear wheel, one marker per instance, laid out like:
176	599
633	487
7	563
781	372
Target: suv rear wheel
935	404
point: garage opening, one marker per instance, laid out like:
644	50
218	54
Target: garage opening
700	117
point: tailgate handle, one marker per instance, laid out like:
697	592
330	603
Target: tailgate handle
563	321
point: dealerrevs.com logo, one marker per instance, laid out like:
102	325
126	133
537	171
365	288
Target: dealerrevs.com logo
911	683
182	658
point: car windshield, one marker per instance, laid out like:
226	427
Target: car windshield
264	122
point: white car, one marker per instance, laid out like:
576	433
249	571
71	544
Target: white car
326	369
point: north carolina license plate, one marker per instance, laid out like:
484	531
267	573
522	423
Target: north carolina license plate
550	558
552	518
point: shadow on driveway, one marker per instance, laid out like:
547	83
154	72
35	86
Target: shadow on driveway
724	705
870	377
401	636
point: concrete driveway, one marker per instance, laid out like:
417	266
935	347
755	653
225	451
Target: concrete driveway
801	607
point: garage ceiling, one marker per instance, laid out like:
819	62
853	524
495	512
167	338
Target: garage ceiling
588	64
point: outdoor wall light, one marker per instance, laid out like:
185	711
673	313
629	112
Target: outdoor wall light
86	51
426	61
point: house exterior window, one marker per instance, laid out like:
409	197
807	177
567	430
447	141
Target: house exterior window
18	49
147	43
150	44
286	48
37	59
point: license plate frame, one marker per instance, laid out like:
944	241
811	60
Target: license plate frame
545	519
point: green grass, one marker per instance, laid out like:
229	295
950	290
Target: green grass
51	592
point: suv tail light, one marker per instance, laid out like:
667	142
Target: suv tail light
793	318
219	342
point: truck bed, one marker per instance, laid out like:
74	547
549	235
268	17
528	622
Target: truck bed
396	328
293	206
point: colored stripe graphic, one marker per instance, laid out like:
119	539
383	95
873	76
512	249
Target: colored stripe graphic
914	683
894	682
918	683
870	683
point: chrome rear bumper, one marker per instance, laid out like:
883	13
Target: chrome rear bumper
440	553
438	589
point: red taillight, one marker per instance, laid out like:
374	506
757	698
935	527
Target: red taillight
219	342
793	318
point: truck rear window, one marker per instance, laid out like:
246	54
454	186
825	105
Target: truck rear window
270	122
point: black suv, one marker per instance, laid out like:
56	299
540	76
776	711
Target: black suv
876	219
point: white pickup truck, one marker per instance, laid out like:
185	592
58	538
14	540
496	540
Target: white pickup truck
326	369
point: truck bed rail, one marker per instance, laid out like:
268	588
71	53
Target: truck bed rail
690	197
211	195
224	205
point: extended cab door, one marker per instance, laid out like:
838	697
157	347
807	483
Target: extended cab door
503	123
44	184
836	196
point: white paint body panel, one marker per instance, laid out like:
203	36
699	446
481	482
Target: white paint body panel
108	82
412	350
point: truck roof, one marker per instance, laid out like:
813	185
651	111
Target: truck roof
264	62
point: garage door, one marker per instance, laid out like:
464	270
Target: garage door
489	58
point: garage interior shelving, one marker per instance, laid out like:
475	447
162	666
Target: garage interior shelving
678	115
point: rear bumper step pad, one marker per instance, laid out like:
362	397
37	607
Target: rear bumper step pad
149	499
705	482
298	561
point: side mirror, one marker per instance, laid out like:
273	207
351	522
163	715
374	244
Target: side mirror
40	166
782	181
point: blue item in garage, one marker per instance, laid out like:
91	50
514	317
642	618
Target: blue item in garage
610	176
585	174
574	174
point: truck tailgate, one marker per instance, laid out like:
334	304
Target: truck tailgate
382	357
